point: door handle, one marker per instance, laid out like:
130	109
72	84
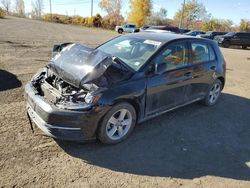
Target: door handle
213	67
188	74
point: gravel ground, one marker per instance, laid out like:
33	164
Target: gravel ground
194	146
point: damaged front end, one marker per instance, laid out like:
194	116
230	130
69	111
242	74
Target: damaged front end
63	95
76	77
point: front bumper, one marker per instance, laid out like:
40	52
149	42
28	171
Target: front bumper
61	124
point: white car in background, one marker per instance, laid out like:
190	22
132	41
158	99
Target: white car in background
128	28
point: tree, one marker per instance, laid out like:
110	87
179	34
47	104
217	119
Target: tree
158	18
217	25
6	4
20	7
193	11
113	9
37	9
245	25
140	10
2	13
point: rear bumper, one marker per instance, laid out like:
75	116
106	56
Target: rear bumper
62	124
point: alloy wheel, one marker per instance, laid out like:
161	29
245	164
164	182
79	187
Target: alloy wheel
214	93
119	124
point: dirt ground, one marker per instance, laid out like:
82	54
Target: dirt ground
194	146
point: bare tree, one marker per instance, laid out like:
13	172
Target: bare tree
6	4
20	10
37	9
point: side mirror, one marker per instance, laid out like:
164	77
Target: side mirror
235	37
160	68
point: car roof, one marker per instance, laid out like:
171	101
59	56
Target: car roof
161	37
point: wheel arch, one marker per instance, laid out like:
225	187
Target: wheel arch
222	79
133	103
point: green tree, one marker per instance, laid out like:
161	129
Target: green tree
193	11
2	13
140	10
245	25
217	25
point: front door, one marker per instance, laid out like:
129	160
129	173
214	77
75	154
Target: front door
167	89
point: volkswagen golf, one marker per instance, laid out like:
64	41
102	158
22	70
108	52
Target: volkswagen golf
86	93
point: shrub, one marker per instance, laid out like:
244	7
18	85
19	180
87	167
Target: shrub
2	13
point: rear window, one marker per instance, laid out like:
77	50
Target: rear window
202	52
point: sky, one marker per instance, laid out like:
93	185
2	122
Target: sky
234	10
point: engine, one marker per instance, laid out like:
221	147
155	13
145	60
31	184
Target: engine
60	93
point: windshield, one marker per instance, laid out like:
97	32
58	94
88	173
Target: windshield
132	51
230	34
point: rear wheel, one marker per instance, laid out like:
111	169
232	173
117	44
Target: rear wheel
117	124
213	93
120	31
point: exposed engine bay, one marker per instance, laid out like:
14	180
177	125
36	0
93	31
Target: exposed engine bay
66	96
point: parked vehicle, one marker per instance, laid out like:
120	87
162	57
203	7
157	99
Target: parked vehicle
143	28
104	92
129	28
195	33
157	31
184	31
232	38
212	34
166	28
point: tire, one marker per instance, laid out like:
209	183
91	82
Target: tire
244	47
120	31
213	94
226	44
117	124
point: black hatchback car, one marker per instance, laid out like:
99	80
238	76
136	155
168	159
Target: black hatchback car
102	92
212	34
234	38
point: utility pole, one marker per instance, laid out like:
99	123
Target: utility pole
182	12
50	10
91	8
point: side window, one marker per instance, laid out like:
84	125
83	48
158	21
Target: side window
200	52
175	56
212	56
240	35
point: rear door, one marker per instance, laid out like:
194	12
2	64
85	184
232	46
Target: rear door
167	90
203	66
236	40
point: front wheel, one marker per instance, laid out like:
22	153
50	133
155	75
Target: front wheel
117	124
213	93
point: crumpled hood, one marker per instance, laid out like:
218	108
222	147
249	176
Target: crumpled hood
78	64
